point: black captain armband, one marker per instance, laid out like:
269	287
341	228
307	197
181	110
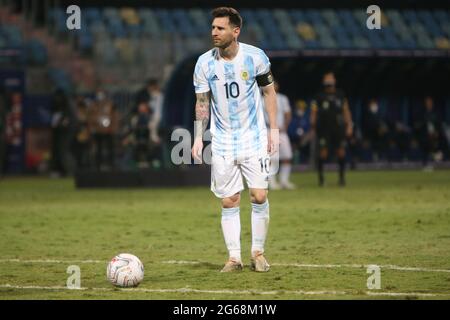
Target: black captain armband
264	79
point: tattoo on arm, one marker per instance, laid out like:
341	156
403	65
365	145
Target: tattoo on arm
202	110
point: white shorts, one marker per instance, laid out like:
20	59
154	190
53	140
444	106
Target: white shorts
285	151
227	173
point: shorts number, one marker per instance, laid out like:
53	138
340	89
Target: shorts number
232	90
265	165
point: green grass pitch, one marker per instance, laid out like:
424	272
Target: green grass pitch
317	237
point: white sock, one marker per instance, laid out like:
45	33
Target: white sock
231	228
285	172
260	225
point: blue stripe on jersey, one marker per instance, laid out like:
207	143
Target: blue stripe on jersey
219	127
256	51
250	68
233	110
212	84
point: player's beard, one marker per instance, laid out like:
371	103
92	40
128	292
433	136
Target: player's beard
222	44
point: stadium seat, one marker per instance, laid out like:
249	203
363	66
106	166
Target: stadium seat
12	35
305	31
60	78
330	17
168	26
429	22
86	42
106	52
442	43
92	15
150	24
129	16
361	42
297	16
36	53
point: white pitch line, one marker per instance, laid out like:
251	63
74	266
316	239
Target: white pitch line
330	266
50	261
181	262
297	265
397	294
234	292
359	266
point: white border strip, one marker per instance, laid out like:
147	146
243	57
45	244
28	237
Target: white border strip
234	292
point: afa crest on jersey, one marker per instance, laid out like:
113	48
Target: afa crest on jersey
244	75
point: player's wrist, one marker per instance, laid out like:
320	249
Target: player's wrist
198	130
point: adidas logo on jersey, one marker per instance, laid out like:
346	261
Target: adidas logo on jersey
215	77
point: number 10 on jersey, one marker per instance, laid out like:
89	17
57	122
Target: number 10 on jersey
232	90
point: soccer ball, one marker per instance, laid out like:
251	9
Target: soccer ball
125	270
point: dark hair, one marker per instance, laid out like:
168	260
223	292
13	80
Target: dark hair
232	14
152	82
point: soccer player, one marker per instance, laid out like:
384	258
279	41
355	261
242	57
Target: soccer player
227	79
284	116
332	121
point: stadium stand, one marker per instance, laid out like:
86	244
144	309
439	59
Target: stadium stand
119	47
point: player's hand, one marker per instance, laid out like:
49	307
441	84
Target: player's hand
197	149
273	141
349	131
155	139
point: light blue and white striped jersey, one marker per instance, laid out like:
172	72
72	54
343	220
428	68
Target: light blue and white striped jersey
238	128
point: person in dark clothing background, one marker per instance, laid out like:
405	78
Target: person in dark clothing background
82	136
144	94
332	122
428	130
104	125
375	129
61	121
139	135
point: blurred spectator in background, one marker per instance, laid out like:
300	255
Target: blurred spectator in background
375	130
139	135
82	137
332	123
428	131
284	152
144	94
103	125
399	134
156	105
300	133
61	121
151	95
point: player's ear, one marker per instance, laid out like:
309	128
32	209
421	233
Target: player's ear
236	31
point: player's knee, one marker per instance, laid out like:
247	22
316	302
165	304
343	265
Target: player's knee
231	202
258	196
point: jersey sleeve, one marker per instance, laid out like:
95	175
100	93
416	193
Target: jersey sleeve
263	65
200	81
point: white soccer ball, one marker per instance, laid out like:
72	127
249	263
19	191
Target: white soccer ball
125	270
